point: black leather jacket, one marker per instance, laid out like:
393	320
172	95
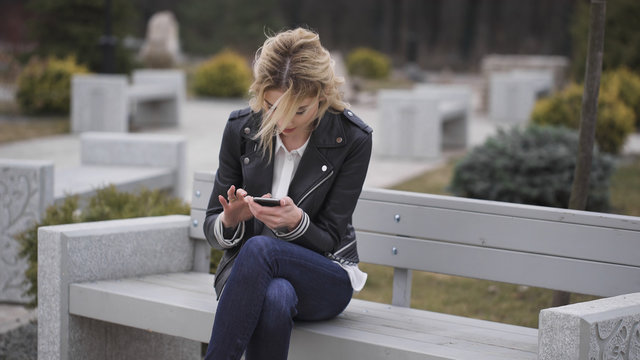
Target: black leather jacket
326	185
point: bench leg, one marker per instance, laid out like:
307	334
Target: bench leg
401	287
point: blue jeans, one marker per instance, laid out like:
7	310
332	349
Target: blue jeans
272	283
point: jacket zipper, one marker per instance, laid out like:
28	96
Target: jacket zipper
314	188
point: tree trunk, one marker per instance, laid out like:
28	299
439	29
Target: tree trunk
580	187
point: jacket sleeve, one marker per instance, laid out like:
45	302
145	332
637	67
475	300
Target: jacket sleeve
229	173
326	229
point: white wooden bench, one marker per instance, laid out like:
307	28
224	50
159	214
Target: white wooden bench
125	279
105	102
27	187
419	123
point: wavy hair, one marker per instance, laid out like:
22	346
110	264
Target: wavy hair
296	63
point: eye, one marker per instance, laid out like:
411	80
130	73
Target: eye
301	111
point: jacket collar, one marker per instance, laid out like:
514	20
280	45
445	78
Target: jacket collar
314	166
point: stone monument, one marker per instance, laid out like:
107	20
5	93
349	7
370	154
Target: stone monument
161	48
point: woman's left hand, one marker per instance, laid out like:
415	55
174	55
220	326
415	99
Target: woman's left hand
282	218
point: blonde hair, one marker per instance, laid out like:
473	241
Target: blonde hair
295	63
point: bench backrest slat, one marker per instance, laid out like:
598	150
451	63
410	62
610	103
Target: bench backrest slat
500	231
576	251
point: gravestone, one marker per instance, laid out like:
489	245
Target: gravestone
161	48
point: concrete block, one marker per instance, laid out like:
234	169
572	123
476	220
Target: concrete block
163	111
418	123
98	251
26	190
99	103
512	95
142	150
608	328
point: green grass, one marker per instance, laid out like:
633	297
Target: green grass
483	299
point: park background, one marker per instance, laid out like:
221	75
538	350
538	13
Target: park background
419	41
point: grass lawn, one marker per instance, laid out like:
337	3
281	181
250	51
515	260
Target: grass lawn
15	127
513	304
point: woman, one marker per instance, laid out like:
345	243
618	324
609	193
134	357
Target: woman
298	260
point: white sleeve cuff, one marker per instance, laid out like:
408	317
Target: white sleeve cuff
297	232
219	234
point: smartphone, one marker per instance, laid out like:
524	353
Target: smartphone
267	201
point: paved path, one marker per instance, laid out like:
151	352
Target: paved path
204	122
202	126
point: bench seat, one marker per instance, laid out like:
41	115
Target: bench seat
367	329
84	180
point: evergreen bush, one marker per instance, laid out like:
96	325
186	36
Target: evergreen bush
44	87
107	204
615	121
368	63
224	75
533	166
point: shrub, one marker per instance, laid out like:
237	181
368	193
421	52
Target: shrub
107	204
44	87
224	75
613	125
368	63
625	84
532	166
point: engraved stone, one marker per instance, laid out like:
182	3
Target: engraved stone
26	189
602	329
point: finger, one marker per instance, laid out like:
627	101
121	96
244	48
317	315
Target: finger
223	202
231	193
241	193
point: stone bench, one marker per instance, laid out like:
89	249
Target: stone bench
105	102
513	94
140	288
28	187
418	123
558	66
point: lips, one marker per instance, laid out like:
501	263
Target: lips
288	130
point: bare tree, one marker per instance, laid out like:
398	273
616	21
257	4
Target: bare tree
580	187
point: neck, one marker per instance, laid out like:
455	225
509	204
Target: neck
292	143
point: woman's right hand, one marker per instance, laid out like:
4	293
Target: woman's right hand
236	209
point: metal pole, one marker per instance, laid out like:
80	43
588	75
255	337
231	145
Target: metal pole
108	42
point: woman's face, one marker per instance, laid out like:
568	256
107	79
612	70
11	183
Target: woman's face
300	124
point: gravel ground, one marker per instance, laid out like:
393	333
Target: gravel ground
20	343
